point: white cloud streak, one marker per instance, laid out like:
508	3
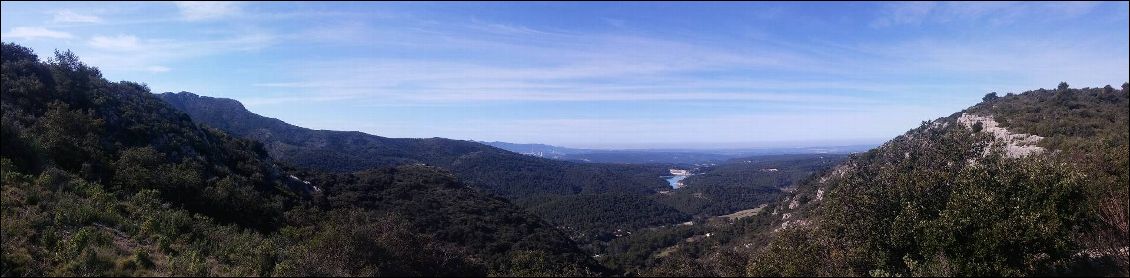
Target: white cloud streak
994	13
69	16
157	69
566	67
632	68
36	33
116	43
207	10
133	53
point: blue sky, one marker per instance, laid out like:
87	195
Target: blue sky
603	75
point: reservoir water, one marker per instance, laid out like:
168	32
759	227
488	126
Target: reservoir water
674	181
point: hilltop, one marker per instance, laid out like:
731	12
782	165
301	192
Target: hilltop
1017	185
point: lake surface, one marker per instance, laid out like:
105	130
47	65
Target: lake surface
674	181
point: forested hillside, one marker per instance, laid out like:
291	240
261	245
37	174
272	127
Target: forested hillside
595	204
586	200
103	178
1026	184
745	183
498	171
719	200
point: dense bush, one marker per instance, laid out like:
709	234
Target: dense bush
933	202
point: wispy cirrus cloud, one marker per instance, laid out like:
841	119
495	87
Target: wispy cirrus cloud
207	10
115	43
905	13
36	33
543	66
1024	63
506	29
134	53
995	13
69	16
556	67
157	69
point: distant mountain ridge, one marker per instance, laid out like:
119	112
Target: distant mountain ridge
348	151
310	148
683	157
539	150
531	182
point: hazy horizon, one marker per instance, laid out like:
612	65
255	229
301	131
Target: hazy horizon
593	75
718	146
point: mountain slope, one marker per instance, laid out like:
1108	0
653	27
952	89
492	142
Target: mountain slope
103	178
347	151
1028	184
526	180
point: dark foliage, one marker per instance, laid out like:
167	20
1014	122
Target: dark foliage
603	217
105	179
438	205
498	171
946	199
550	188
745	183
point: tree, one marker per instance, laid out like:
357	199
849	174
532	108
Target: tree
1061	93
990	97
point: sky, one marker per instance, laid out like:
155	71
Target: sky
593	75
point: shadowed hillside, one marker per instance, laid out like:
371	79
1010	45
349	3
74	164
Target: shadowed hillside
103	178
554	189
